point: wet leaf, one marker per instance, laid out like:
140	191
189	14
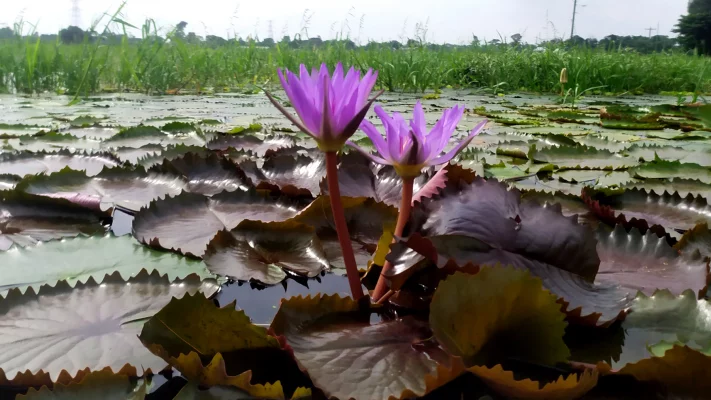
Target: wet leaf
214	375
178	127
687	154
169	153
347	356
681	371
251	143
141	135
294	176
495	216
61	327
96	385
672	169
596	304
75	260
187	222
496	314
670	211
665	317
504	383
28	163
580	157
218	330
120	186
697	239
683	187
207	175
261	251
8	181
26	219
646	263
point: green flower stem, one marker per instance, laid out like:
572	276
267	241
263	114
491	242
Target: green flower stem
405	207
341	228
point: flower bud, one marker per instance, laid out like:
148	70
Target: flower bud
564	75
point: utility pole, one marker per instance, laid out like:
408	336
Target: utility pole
572	24
649	30
76	13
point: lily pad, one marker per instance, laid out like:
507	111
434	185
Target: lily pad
580	157
647	263
340	348
188	222
26	219
206	175
295	176
251	143
261	251
96	385
488	317
61	328
28	163
78	259
126	187
672	169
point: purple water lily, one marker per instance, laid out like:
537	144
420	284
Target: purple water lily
409	147
329	108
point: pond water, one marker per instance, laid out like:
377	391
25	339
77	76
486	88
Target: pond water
181	180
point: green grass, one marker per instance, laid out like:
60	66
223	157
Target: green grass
156	66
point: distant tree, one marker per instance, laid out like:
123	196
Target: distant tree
6	33
694	29
193	38
180	29
268	42
215	41
475	41
72	35
516	37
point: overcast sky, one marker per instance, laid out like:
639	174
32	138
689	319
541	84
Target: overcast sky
453	21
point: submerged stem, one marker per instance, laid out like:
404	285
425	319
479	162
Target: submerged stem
339	218
405	206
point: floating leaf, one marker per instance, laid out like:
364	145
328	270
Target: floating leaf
28	163
128	188
490	213
646	263
697	239
96	385
8	181
292	175
672	169
340	348
670	211
261	251
251	143
596	304
504	383
26	219
683	187
61	327
75	260
207	175
133	155
497	313
681	371
178	127
141	135
188	222
580	157
665	317
169	153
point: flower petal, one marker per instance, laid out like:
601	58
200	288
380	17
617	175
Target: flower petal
376	137
464	143
290	116
370	156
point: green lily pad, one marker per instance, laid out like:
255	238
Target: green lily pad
29	163
580	157
672	169
497	313
89	325
77	259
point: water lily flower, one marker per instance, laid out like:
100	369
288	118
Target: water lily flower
329	108
410	147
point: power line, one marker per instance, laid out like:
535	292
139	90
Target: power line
649	30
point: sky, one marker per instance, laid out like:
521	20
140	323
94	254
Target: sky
451	21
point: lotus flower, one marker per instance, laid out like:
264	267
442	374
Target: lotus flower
409	147
329	109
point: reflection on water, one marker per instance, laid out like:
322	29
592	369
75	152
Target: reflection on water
260	304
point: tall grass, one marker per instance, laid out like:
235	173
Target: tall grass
154	65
